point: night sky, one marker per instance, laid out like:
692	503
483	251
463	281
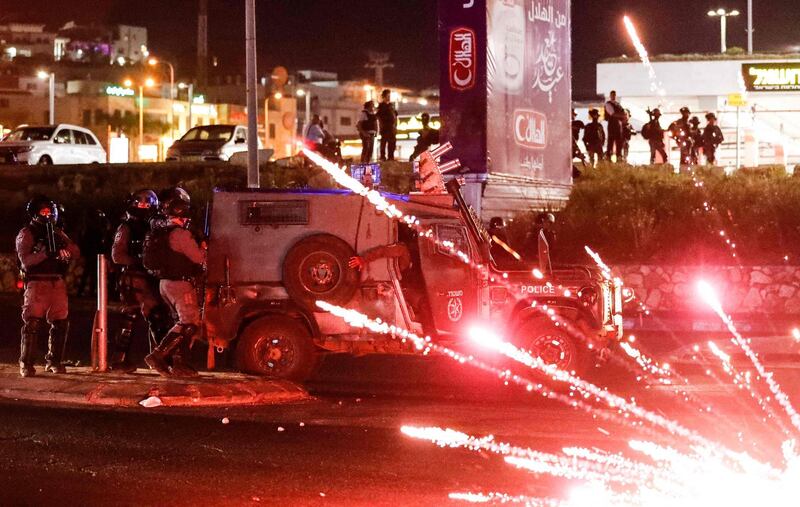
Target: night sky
335	34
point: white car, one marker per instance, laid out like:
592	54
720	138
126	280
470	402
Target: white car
209	143
51	144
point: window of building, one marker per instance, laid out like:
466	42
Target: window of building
31	87
345	121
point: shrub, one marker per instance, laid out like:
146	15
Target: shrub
651	215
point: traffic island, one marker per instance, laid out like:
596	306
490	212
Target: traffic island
146	390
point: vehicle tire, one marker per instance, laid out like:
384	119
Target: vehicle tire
542	338
316	269
45	160
277	347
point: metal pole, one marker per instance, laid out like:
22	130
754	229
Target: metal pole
738	140
52	83
252	95
307	121
141	124
102	313
171	101
723	28
749	27
191	101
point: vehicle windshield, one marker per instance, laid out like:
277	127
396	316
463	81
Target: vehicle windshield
30	134
209	133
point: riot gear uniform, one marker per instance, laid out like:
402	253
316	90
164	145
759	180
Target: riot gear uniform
594	137
712	138
681	131
172	254
615	115
44	252
654	133
577	126
138	289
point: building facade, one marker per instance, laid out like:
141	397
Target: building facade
756	100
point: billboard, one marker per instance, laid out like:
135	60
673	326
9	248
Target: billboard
462	39
771	77
505	87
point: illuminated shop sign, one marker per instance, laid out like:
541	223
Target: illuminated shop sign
772	77
119	91
414	123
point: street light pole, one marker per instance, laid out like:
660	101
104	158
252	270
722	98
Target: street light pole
749	27
307	118
723	25
141	123
51	102
253	177
154	62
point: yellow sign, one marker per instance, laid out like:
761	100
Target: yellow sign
736	100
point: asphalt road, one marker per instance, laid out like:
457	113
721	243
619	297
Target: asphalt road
345	447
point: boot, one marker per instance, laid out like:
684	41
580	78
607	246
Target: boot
122	346
180	361
30	334
157	360
56	345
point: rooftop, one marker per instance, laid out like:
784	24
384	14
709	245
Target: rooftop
694	57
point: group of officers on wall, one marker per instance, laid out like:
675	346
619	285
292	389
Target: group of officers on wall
690	138
158	259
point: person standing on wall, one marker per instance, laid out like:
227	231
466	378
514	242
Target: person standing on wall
44	253
680	130
712	138
367	127
594	137
577	126
615	116
387	118
654	133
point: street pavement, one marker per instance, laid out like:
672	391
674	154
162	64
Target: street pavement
337	440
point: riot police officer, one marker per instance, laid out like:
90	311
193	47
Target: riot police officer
680	130
712	138
44	252
594	137
172	254
138	290
654	133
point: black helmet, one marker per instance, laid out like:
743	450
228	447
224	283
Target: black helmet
544	217
171	193
694	120
142	203
685	110
711	116
496	222
594	113
177	208
42	209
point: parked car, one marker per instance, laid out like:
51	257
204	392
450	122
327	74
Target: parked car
51	144
209	143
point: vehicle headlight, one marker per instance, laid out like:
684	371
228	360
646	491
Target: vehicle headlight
628	294
173	152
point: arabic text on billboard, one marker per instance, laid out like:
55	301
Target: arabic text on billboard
529	90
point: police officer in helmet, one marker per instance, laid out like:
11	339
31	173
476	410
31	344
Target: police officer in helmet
138	290
172	254
44	253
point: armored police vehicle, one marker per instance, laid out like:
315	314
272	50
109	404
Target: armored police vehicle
273	254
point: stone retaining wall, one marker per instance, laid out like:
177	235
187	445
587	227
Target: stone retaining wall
742	289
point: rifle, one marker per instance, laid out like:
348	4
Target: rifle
50	234
204	280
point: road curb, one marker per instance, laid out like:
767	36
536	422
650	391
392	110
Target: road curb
81	386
